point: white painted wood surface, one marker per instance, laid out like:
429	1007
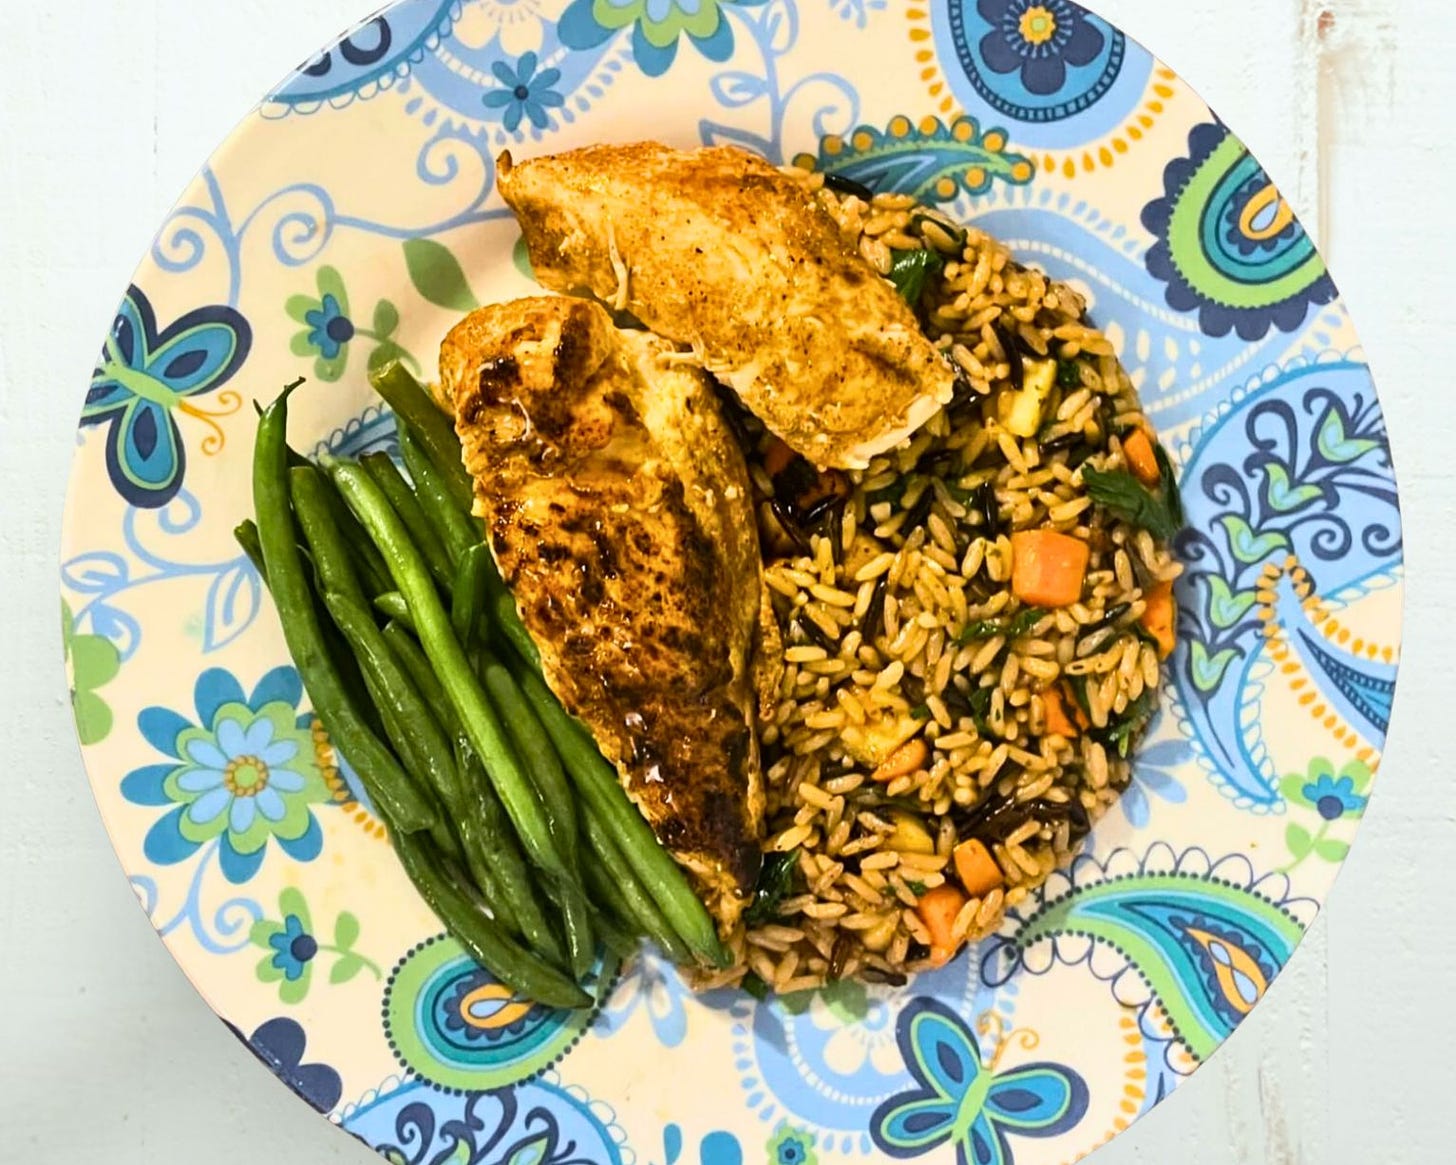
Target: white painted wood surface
107	1054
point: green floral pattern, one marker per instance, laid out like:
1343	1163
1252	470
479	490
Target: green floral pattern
1334	799
329	330
791	1146
293	948
92	662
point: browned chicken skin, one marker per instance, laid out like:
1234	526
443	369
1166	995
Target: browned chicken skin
619	510
718	250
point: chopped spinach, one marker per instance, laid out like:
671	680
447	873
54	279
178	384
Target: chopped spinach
1015	627
1122	732
1171	493
1079	690
755	986
919	889
1069	374
774	881
980	702
920	712
911	270
1129	499
892	493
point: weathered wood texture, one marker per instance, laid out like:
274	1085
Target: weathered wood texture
109	1055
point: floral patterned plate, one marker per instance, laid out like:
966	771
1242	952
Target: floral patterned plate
354	216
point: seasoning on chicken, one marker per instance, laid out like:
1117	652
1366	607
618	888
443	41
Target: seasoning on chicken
619	510
718	250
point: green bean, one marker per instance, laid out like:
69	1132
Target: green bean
246	534
467	599
456	528
414	732
467	696
370	565
412	658
597	783
411	401
576	921
309	490
507	619
397	734
423	745
343	659
612	914
638	905
538	755
388	785
518	891
481	936
483	873
392	605
387	477
372	572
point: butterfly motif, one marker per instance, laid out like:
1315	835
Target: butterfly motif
961	1102
143	375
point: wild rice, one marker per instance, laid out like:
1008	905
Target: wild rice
880	608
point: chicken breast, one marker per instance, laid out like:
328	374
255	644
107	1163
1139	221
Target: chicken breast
619	511
720	251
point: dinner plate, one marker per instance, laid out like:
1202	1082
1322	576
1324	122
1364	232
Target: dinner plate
354	216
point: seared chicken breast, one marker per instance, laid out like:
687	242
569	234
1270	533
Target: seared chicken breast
718	250
619	511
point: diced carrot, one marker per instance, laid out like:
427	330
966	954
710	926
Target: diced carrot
1138	449
1057	721
1048	568
777	457
1160	617
902	762
977	869
938	909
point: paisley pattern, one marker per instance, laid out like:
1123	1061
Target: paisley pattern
539	1123
452	1024
356	216
932	161
1269	549
1229	246
1204	942
376	55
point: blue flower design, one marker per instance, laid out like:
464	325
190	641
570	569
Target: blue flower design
657	26
295	948
1038	38
1155	773
280	1044
330	328
1334	798
791	1146
524	93
245	772
656	988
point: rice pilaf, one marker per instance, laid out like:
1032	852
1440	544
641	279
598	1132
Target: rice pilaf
924	706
